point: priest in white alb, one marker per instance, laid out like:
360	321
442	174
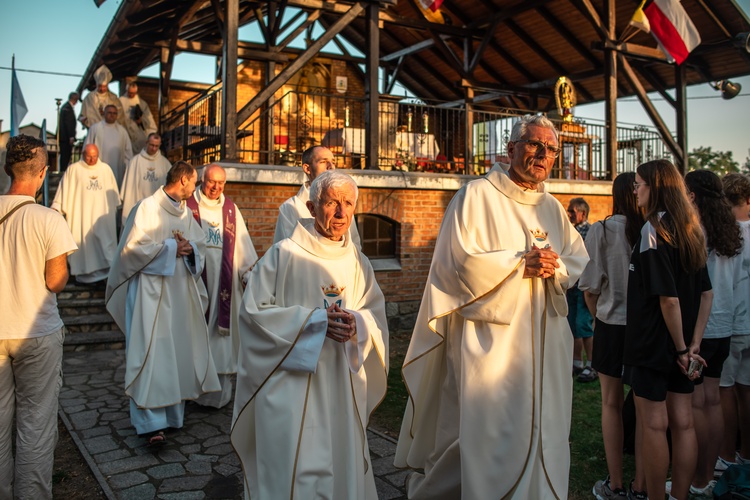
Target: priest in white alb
88	198
155	294
313	358
139	122
229	255
315	161
113	142
488	366
145	174
92	107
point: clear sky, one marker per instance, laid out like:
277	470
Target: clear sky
60	36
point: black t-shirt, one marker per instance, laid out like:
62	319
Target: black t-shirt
656	270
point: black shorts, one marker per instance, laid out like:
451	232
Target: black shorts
609	341
653	385
715	352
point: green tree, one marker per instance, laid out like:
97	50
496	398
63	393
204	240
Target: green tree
720	162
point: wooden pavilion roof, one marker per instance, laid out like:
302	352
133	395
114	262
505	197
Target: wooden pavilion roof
510	51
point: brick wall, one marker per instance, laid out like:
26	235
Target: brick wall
419	212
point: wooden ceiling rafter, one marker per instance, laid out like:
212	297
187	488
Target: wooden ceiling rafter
436	75
279	80
543	54
492	43
648	106
479	52
569	37
466	41
507	13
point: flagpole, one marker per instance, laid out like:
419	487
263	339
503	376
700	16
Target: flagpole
13	130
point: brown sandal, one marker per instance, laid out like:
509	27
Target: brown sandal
157	439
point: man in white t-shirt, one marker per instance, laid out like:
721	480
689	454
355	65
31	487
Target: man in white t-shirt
34	244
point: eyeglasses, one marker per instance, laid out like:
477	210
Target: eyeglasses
636	185
536	147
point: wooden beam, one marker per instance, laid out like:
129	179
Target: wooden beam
372	126
219	16
479	53
648	106
407	51
655	82
311	18
590	12
610	90
505	89
680	77
216	49
539	51
504	14
229	80
569	36
292	68
263	28
391	82
166	58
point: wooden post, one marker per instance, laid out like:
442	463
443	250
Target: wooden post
610	90
165	74
681	117
372	126
229	81
469	124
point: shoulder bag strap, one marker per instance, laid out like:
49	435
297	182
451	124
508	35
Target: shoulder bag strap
12	211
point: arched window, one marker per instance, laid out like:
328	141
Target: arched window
379	235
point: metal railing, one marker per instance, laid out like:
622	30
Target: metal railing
413	136
192	131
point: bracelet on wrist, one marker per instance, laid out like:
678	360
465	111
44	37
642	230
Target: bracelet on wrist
684	351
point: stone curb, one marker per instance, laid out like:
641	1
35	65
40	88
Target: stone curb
87	457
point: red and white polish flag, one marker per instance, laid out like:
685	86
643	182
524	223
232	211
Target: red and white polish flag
672	28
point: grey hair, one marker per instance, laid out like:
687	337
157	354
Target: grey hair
522	124
330	179
580	205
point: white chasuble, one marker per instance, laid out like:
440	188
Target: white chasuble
143	177
157	300
303	400
488	366
224	345
92	108
114	146
138	132
87	196
292	210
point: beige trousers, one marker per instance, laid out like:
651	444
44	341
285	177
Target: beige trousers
30	381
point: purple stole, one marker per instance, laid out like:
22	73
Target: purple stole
229	217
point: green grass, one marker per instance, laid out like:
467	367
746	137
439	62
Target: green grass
588	463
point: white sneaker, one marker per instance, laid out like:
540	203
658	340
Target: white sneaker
668	487
706	492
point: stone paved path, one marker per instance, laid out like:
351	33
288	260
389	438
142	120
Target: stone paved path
197	463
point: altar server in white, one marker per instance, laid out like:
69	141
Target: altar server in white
113	142
229	255
88	198
146	173
313	359
155	294
139	121
488	367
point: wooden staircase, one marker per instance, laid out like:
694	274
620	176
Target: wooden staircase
88	324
